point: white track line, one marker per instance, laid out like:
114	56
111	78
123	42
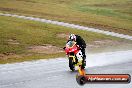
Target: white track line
71	26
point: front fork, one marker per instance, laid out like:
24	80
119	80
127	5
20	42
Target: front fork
74	60
80	70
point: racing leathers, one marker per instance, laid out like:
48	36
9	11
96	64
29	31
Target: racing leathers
80	41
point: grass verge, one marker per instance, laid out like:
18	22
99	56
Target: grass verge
17	35
111	15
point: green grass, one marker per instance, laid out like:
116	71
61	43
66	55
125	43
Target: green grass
29	33
31	58
104	11
112	15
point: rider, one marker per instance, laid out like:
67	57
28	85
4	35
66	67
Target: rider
79	41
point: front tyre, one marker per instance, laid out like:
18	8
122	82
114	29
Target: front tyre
71	64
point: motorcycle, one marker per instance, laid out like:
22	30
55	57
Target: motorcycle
74	54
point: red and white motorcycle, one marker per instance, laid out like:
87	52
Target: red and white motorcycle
74	54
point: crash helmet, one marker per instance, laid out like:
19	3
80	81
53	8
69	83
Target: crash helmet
72	37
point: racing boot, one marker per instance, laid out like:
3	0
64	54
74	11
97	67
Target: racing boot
84	61
76	60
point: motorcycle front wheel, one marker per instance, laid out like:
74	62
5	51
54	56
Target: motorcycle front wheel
71	64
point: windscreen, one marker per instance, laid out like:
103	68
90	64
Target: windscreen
70	43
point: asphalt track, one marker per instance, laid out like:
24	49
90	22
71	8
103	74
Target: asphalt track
55	73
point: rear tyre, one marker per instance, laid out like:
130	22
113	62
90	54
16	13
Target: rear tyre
71	64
